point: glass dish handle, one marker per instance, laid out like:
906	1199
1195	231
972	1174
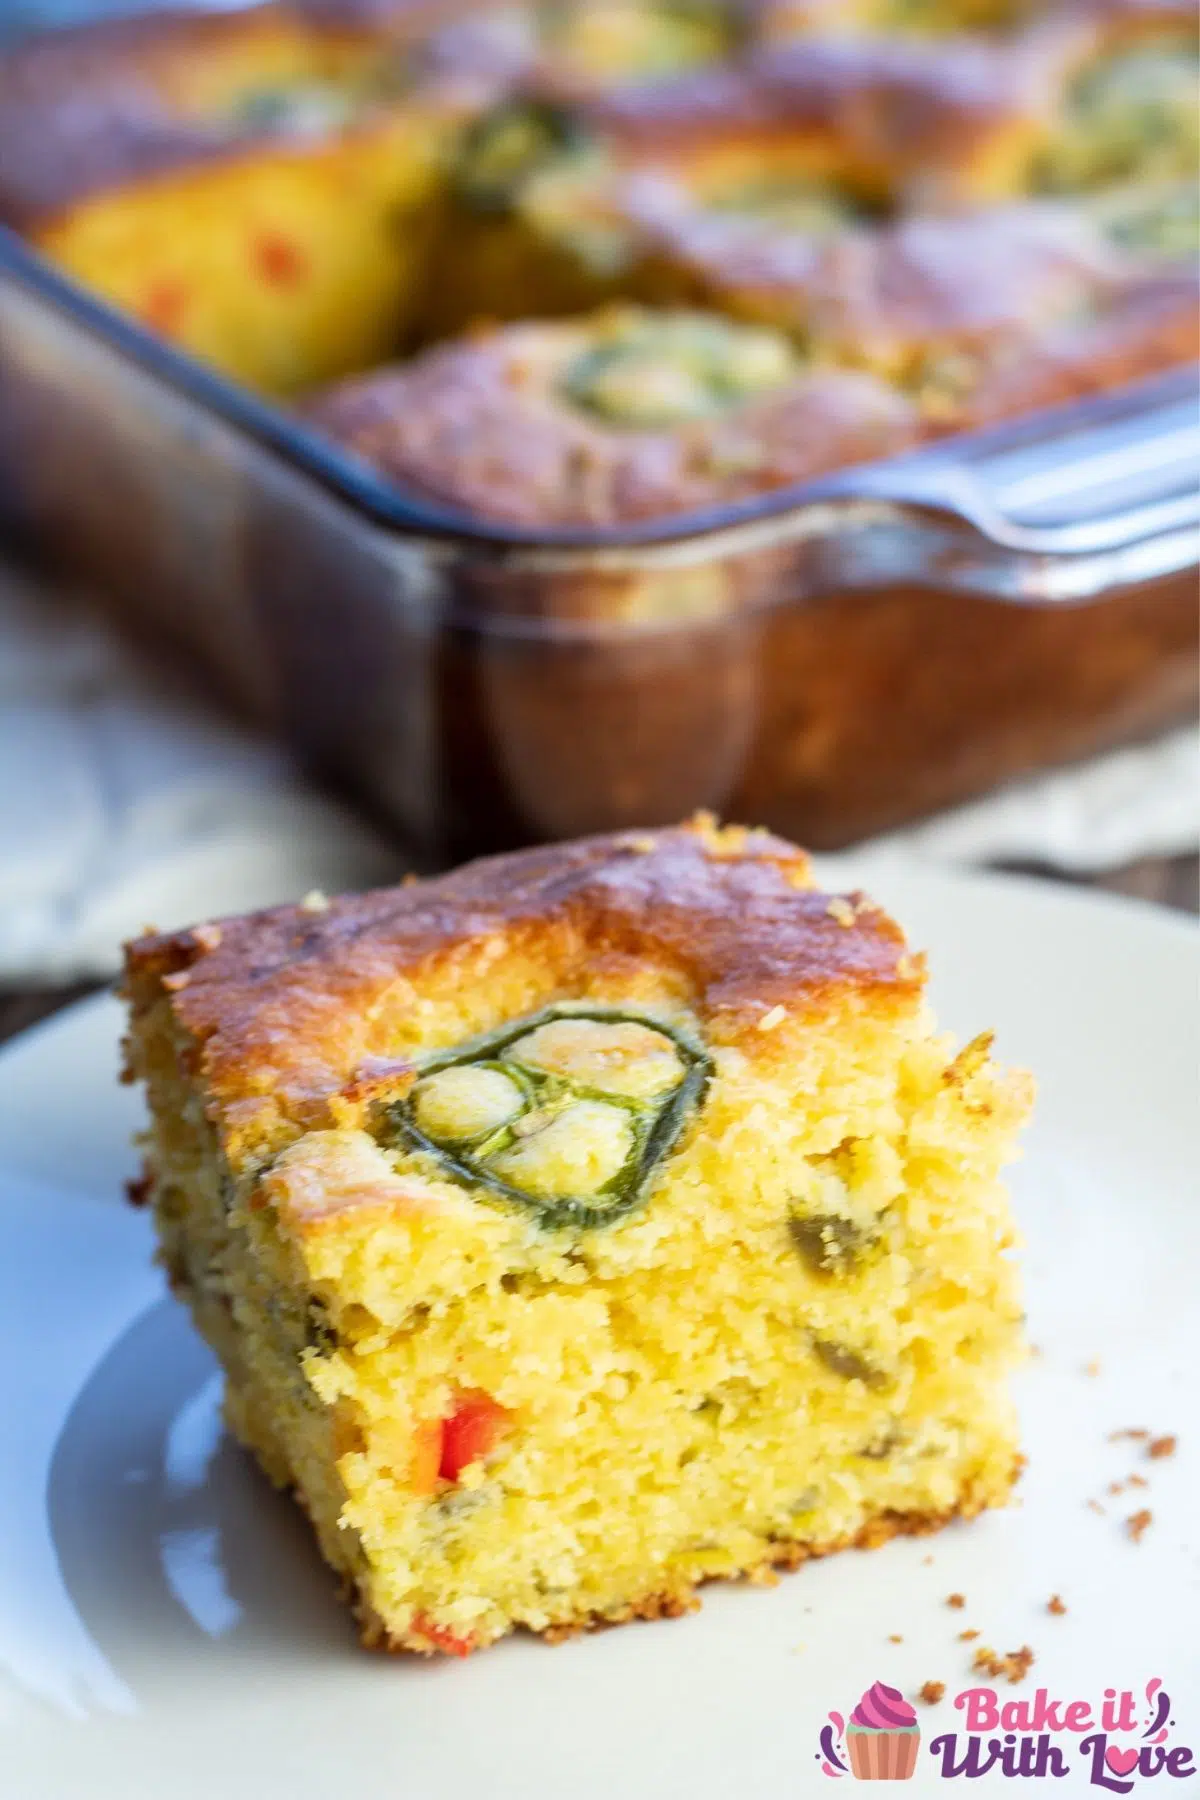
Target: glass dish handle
1116	491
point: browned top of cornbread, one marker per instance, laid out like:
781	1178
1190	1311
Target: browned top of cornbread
898	111
488	424
928	279
1119	21
1152	327
96	106
286	1007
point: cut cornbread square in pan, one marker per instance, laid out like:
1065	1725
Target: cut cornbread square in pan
585	1224
538	222
258	187
1129	103
625	414
895	297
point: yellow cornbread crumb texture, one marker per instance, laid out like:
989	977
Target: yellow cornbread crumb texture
697	1390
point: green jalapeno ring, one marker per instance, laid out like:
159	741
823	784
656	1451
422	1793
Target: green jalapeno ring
655	1128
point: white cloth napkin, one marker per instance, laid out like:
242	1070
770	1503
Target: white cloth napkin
127	800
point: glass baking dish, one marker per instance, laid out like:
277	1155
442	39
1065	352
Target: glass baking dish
831	660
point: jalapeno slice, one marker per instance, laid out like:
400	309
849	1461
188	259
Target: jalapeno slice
829	1243
566	1113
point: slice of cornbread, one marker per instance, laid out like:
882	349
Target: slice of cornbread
585	1224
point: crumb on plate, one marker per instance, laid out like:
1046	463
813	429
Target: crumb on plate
1014	1665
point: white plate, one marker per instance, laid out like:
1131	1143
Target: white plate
166	1630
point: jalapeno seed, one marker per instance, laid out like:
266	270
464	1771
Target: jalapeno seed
617	1057
577	1150
461	1103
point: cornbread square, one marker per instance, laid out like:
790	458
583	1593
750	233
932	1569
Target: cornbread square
627	413
260	187
538	215
585	1224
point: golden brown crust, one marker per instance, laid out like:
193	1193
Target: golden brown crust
478	425
96	106
882	296
284	1007
889	112
1151	327
676	1602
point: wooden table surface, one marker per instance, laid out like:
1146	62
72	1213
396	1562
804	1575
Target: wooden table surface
1173	882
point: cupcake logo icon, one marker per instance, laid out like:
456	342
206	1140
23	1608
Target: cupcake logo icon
879	1741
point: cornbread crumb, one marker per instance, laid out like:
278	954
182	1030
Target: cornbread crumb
895	1638
1014	1665
1056	1605
207	937
965	1637
958	1601
926	1562
1161	1446
1095	1506
1092	1368
643	843
1137	1523
1137	1432
931	1692
315	901
1130	1481
841	910
774	1018
178	980
433	1360
139	1191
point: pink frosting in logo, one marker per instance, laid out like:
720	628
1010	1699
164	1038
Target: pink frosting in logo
883	1708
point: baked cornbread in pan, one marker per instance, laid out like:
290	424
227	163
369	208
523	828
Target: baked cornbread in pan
261	187
901	297
626	414
584	1225
636	413
775	184
298	191
893	116
541	219
782	19
582	48
1129	110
